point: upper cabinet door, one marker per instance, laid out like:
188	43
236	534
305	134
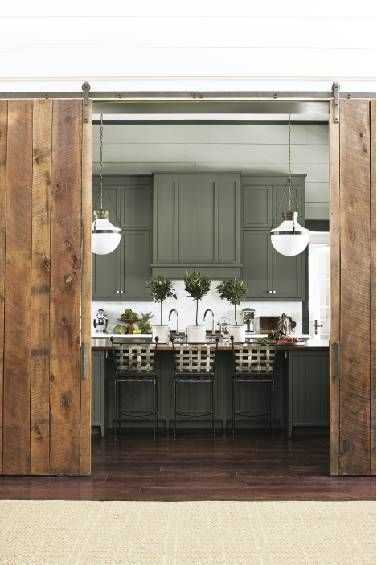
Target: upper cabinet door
137	264
197	224
196	219
257	264
288	276
257	205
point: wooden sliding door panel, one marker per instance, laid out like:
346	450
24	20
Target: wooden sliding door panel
353	302
86	298
355	252
3	152
373	282
65	288
17	319
45	287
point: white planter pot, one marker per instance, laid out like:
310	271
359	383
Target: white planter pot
238	333
162	332
196	334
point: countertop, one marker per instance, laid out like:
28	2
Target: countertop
309	345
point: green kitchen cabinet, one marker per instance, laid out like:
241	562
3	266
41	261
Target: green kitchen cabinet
98	391
196	224
264	199
270	275
121	275
307	389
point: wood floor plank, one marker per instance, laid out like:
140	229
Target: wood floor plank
65	288
40	289
3	152
16	395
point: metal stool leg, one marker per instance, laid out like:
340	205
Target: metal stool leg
154	409
233	407
175	409
213	407
116	415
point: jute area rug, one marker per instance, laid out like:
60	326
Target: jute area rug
180	533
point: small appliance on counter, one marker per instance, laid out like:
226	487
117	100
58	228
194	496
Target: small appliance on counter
286	325
248	319
101	321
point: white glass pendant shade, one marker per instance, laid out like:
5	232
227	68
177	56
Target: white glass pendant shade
290	238
105	236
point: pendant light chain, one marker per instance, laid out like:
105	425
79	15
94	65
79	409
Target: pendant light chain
101	160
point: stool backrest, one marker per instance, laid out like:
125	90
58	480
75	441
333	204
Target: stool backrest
195	357
253	358
134	357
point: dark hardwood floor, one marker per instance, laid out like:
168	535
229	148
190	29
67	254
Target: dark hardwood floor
253	467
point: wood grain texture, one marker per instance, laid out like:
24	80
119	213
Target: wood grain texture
334	290
65	287
355	290
3	151
86	295
17	350
40	289
373	282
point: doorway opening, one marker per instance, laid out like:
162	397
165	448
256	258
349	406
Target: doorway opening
149	142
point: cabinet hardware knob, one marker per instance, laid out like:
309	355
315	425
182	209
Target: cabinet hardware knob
117	291
269	291
274	292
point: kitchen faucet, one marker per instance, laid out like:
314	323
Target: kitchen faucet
213	318
173	310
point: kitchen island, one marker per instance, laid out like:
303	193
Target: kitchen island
301	397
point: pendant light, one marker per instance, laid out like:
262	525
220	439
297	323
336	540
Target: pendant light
105	236
290	238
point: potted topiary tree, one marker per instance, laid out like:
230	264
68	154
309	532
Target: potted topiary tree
161	288
234	291
197	286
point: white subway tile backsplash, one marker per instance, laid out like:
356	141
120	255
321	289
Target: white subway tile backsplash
186	308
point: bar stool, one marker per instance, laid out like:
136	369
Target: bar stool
135	364
253	364
195	364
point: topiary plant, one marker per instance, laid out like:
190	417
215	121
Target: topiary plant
161	288
197	286
232	290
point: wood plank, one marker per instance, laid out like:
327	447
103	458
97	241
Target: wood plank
65	287
86	296
334	290
355	303
16	395
373	282
40	289
3	152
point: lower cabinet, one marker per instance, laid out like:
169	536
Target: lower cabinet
301	397
98	391
307	389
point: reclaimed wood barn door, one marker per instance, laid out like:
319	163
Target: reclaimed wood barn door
353	306
45	287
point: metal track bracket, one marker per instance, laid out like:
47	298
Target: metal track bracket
335	91
86	88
